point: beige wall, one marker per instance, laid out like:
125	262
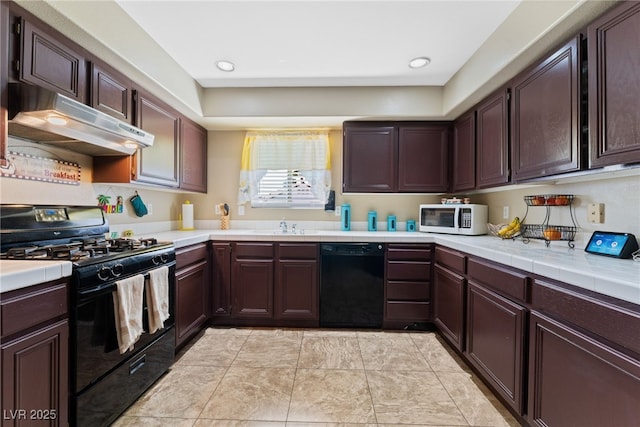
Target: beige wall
166	205
618	191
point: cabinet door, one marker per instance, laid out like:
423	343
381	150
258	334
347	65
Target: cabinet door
492	167
296	290
35	377
47	62
252	288
575	380
111	92
221	280
614	86
545	113
423	158
495	342
193	167
158	164
370	159
4	76
448	305
463	164
191	300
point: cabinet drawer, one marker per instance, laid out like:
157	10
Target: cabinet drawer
401	310
24	308
190	255
618	324
253	250
408	270
409	253
454	260
298	251
416	291
507	282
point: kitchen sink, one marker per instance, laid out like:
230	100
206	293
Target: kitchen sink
278	232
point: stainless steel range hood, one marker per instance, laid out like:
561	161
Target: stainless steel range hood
43	116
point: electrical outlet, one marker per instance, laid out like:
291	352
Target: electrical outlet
217	210
240	210
505	212
149	208
337	211
595	213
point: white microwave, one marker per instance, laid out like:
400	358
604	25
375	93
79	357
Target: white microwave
469	220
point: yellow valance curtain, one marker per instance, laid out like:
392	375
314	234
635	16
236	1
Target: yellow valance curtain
285	168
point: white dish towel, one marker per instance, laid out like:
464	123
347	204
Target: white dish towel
127	310
158	298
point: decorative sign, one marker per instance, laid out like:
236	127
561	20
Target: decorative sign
34	168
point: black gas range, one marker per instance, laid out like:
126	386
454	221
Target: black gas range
103	382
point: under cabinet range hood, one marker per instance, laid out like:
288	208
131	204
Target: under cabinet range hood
43	116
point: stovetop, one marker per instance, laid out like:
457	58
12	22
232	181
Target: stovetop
84	251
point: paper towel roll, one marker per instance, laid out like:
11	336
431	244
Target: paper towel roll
187	216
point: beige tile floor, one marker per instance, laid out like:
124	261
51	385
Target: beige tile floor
316	378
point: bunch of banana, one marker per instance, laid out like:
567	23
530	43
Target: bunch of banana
511	229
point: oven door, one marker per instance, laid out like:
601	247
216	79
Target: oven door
94	339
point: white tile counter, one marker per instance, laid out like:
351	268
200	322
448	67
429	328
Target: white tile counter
613	277
20	274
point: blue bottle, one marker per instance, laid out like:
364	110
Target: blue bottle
391	223
346	217
411	225
372	221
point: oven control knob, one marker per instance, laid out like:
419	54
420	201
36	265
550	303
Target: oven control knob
160	259
117	270
104	273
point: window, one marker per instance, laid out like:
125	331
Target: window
285	169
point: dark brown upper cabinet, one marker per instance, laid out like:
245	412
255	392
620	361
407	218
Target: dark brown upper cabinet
545	115
193	168
423	157
614	86
370	158
492	140
463	174
158	164
388	157
111	92
4	78
48	62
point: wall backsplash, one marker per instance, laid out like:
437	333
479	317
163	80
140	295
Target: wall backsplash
619	193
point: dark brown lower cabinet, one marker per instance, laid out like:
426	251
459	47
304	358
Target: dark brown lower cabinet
192	291
252	280
407	285
35	377
448	305
296	282
496	331
34	354
575	380
221	278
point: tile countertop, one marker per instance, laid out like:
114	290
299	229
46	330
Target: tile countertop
608	276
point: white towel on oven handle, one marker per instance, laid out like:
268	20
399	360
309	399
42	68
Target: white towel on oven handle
158	298
127	311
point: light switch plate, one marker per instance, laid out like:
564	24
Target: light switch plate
595	213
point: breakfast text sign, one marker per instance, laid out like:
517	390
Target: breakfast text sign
34	168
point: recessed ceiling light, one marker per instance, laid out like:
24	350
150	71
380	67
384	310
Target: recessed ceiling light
225	66
419	62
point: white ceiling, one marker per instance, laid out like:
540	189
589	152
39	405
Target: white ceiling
319	43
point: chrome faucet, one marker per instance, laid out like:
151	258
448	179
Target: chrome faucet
283	226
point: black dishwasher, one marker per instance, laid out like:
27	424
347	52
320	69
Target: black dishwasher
351	285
